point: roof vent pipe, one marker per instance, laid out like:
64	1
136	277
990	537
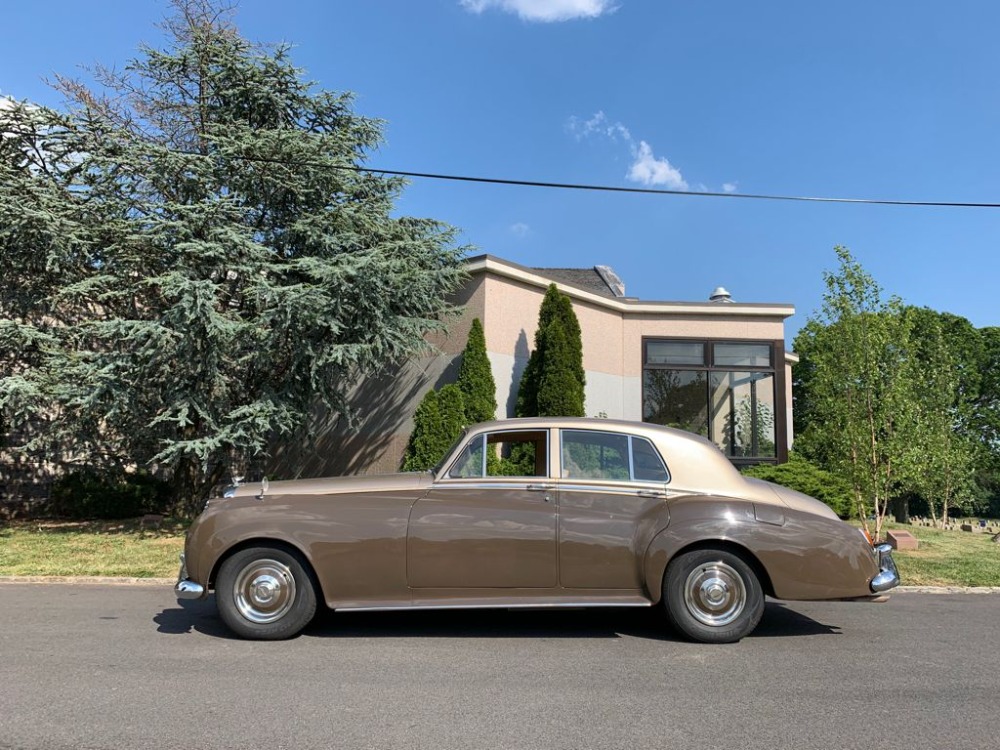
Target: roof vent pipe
720	294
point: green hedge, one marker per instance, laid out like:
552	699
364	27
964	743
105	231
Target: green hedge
799	474
87	494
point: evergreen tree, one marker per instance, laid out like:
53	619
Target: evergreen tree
421	451
475	378
555	306
451	403
560	392
190	261
437	423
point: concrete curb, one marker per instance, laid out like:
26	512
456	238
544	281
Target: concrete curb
110	581
98	580
946	590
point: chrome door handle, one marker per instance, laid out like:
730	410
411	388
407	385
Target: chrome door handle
651	493
546	488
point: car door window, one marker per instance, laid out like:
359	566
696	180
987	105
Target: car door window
470	463
594	455
522	453
647	466
588	454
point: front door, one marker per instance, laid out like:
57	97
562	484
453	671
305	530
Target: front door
490	521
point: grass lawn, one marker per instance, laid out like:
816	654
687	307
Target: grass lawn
948	558
122	549
90	548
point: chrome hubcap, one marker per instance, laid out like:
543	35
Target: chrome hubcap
264	591
715	594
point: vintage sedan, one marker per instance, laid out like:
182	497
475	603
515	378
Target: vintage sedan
532	513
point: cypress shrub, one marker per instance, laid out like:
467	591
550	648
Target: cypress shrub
556	306
560	392
437	423
475	378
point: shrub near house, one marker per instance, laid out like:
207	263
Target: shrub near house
805	477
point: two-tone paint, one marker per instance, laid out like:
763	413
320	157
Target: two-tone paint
425	540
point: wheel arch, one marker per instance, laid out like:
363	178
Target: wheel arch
660	557
281	544
741	551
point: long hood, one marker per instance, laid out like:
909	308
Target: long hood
413	481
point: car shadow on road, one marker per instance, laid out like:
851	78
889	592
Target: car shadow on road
192	616
649	623
780	620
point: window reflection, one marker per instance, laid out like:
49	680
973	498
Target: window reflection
676	398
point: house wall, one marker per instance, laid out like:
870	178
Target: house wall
508	307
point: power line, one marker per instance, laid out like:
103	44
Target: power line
664	191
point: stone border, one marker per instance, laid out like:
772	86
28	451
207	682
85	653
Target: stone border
111	581
945	590
100	580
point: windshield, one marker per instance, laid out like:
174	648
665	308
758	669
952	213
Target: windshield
448	453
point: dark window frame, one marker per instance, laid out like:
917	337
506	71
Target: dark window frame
708	366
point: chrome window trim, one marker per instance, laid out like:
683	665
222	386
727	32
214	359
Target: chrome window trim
484	435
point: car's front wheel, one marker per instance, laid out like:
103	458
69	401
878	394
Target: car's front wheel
712	596
265	593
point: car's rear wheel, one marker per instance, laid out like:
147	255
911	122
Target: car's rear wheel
712	596
265	593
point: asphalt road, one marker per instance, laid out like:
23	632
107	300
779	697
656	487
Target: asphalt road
128	667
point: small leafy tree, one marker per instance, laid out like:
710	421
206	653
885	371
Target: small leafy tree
475	378
940	465
861	397
563	366
191	260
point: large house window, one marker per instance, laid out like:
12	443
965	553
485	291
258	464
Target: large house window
725	391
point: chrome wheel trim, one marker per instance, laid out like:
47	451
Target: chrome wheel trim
264	591
715	594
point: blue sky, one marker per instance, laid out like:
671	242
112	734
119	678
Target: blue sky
895	99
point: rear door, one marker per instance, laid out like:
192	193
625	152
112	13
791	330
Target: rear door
610	483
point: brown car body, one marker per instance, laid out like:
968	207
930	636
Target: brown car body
433	540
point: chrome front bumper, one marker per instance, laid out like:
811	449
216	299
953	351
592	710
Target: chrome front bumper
888	576
185	588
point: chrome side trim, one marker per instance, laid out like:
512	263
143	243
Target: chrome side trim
532	605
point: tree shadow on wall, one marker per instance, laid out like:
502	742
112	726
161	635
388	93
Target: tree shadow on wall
382	406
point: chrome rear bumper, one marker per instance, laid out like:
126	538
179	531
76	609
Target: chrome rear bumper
888	576
186	588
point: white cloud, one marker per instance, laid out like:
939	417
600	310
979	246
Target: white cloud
730	187
545	11
649	170
646	167
598	125
520	230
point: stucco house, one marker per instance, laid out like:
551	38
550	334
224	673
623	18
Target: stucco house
716	367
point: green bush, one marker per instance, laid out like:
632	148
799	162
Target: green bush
437	424
799	474
553	381
88	494
475	378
